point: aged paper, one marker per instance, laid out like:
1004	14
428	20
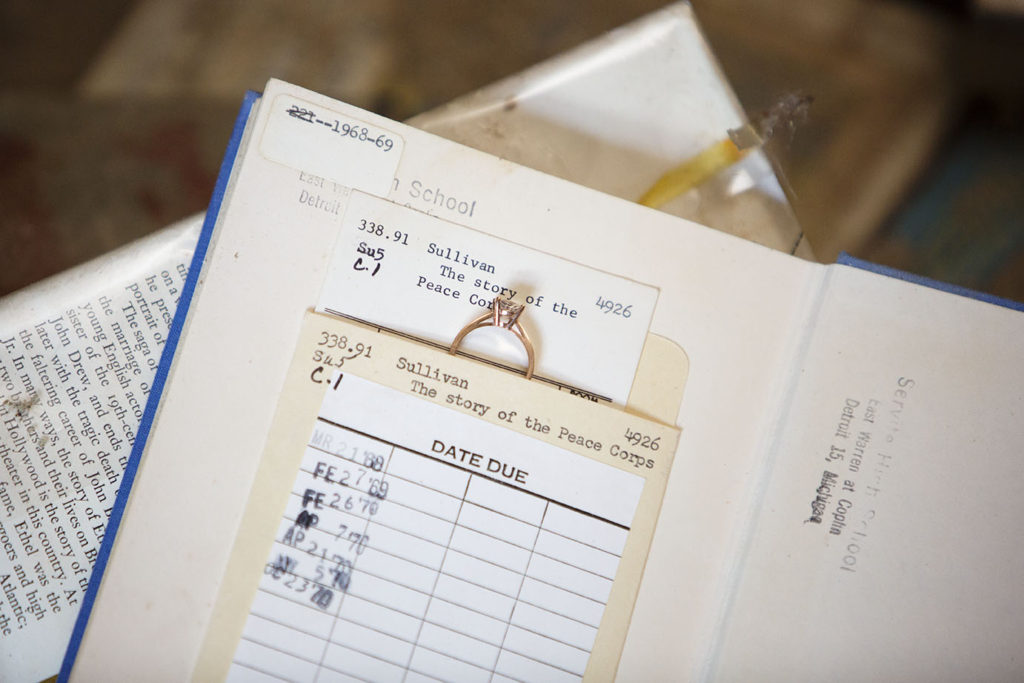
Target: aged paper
438	514
78	355
732	306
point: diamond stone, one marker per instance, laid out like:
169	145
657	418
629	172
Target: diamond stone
506	312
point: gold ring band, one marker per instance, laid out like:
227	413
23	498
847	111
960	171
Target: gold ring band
505	314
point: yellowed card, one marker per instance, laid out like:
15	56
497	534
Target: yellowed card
418	514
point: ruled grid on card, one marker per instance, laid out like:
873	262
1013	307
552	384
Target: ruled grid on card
397	559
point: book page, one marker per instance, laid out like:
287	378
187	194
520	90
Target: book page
490	528
78	355
885	546
736	308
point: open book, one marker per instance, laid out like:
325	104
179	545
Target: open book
840	504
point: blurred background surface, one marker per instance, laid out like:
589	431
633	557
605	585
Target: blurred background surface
114	114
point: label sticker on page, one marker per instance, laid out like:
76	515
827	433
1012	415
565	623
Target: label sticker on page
332	145
419	275
397	535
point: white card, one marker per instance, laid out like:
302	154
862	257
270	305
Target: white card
435	545
417	274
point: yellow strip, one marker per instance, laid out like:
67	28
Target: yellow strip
692	173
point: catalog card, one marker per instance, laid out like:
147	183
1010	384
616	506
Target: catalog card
417	274
423	515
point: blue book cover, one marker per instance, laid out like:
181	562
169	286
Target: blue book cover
847	260
174	336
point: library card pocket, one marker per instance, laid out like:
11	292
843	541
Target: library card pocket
490	529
